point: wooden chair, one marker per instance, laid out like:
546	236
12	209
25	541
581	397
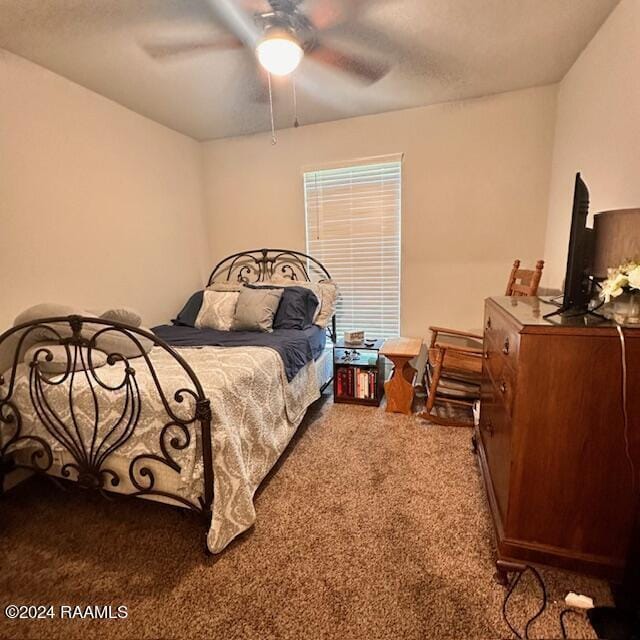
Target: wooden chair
454	369
524	282
452	375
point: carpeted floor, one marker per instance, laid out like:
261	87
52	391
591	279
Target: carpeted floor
372	526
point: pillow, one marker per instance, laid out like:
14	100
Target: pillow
218	310
281	281
110	341
256	309
124	315
8	350
9	345
113	341
225	286
58	363
189	313
329	297
50	310
297	307
326	292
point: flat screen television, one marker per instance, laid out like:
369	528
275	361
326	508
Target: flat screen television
577	284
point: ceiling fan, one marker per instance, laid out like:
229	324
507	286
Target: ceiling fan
281	36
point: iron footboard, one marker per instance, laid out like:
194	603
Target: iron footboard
67	414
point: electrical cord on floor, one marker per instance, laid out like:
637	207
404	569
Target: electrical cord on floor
525	634
512	586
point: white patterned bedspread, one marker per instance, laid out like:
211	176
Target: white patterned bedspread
255	412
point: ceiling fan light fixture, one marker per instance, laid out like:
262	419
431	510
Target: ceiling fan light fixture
279	53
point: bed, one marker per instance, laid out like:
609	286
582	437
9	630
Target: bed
195	420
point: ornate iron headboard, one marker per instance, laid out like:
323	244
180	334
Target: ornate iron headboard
258	265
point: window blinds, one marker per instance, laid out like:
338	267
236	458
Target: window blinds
353	216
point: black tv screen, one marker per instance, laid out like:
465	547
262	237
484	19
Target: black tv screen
576	282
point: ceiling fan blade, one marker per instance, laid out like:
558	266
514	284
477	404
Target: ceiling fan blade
392	47
369	71
325	14
169	48
237	20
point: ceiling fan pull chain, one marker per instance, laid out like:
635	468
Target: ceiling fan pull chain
274	139
296	124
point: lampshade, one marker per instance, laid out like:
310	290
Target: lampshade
279	53
617	239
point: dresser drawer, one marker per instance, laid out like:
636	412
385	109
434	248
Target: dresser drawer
501	337
500	377
495	431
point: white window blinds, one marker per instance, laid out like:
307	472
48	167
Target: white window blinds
353	228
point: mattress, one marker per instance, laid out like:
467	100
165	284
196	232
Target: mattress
324	367
296	347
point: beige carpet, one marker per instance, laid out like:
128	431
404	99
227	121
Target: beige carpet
372	526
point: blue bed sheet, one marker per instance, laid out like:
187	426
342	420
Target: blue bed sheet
296	347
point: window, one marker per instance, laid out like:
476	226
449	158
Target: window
353	228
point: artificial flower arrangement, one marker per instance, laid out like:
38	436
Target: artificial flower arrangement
622	287
622	279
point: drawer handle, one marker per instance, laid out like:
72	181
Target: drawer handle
505	348
486	354
489	322
503	387
488	427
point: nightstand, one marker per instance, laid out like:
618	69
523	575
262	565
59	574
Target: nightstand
358	373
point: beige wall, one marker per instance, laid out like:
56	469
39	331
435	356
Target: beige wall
476	177
597	130
98	206
101	206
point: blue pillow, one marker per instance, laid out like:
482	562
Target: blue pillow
296	309
189	313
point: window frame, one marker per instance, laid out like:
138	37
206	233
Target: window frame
362	162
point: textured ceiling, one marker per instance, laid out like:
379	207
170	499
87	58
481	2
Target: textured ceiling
439	50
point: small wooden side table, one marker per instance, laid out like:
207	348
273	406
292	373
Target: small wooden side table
399	388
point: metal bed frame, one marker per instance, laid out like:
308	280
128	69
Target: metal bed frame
187	409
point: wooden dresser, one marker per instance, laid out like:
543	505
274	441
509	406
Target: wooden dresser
551	438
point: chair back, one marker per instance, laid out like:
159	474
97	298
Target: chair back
524	282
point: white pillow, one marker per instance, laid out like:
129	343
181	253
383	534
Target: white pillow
36	312
329	293
110	341
113	341
50	310
225	286
123	315
218	310
60	360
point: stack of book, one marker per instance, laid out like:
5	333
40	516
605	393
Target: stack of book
356	383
